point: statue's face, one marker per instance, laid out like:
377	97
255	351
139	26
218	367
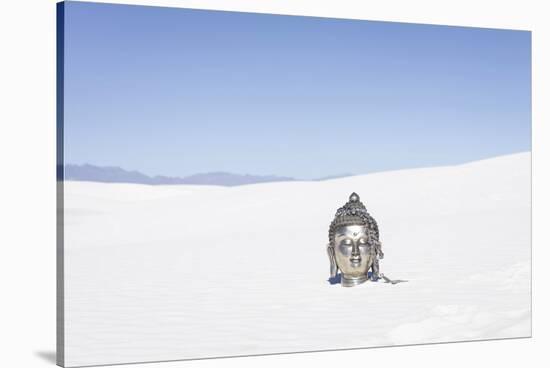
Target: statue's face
351	250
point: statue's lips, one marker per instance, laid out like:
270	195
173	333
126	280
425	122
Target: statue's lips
355	261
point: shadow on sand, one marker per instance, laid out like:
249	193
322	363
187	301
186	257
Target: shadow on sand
338	279
48	356
335	280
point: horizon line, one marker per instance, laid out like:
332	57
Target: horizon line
275	176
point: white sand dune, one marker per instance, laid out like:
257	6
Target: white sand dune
177	272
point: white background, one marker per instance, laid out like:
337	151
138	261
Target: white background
27	186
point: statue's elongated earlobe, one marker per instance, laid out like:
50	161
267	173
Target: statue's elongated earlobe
332	259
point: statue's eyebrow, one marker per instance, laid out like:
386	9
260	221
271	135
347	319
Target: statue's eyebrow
342	234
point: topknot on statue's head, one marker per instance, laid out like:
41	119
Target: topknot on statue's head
353	212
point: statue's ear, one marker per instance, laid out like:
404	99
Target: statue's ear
332	259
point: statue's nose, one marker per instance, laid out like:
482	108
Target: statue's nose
355	252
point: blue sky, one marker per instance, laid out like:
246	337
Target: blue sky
177	92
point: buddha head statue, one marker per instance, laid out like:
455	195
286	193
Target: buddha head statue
352	236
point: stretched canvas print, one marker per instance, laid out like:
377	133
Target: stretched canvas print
238	184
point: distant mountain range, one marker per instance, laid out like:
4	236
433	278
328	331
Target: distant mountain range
113	174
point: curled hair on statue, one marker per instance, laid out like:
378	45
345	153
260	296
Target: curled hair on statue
353	212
